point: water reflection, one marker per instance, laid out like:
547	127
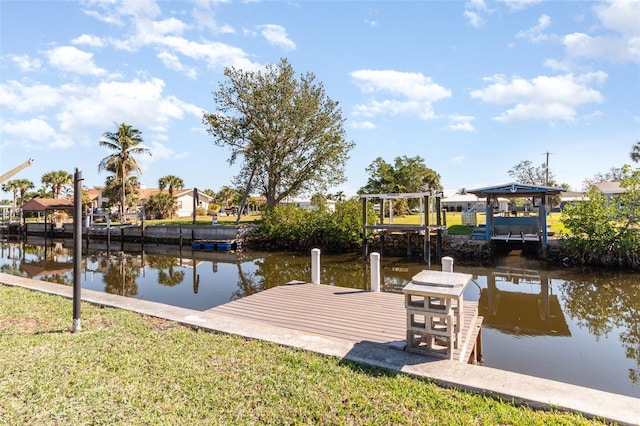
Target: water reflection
574	326
535	313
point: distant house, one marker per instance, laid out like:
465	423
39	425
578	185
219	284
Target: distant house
608	189
305	203
184	199
468	202
571	197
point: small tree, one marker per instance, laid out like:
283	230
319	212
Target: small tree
161	206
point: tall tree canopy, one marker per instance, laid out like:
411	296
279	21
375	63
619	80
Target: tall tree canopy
171	182
525	172
57	180
288	132
126	141
406	174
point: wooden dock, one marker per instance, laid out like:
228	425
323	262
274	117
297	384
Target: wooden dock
345	313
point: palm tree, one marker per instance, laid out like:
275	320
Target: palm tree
461	191
57	179
170	181
12	186
126	143
226	193
635	153
340	196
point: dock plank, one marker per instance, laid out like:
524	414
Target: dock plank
339	312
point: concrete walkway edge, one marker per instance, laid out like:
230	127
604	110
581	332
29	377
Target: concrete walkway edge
519	388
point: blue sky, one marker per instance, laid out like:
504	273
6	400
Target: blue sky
472	87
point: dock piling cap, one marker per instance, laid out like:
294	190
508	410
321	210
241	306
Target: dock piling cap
441	279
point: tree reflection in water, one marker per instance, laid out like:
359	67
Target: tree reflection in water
602	304
170	277
121	274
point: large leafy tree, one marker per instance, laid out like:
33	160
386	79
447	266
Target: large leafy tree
525	172
126	142
171	182
287	131
406	174
57	180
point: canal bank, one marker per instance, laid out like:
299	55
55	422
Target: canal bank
536	392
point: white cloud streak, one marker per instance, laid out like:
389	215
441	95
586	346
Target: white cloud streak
545	98
411	93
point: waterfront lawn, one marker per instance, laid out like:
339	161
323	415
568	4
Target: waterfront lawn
126	368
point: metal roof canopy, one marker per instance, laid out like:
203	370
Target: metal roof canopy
47	204
515	189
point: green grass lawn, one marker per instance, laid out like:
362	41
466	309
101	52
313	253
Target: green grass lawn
125	368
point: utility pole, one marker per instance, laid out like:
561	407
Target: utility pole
546	177
77	248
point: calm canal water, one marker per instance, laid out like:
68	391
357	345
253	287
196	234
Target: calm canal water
580	327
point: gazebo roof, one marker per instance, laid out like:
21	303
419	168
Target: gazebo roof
515	189
47	204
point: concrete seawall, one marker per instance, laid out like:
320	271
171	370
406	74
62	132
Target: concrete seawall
166	234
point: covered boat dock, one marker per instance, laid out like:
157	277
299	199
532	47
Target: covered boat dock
509	227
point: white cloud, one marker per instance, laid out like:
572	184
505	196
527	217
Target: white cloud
516	5
277	36
621	16
542	98
204	17
25	63
364	125
160	152
460	123
474	18
411	93
621	44
615	49
534	34
172	62
73	60
24	98
370	19
138	101
88	40
472	12
34	129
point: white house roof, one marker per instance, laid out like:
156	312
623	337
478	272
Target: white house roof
609	187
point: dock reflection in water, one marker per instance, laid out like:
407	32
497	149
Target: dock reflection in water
563	324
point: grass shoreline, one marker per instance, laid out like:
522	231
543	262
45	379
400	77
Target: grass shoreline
127	368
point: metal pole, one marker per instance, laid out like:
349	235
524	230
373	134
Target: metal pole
77	249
